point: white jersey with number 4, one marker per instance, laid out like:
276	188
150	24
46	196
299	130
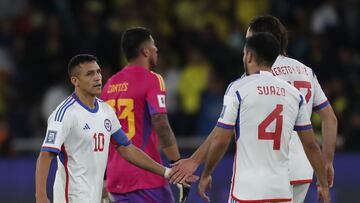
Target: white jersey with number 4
80	136
304	79
264	110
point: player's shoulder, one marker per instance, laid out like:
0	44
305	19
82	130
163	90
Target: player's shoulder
286	61
65	108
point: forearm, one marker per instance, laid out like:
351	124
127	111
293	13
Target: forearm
140	159
329	132
166	136
200	154
218	147
41	174
313	154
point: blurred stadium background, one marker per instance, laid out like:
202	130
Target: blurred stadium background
200	46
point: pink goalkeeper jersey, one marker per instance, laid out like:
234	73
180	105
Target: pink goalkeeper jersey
135	93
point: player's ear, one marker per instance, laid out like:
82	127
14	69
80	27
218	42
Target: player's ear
145	52
74	81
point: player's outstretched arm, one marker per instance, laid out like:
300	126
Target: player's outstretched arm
137	157
41	174
329	132
166	136
182	169
313	153
218	147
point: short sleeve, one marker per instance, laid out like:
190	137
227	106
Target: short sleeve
156	94
303	118
230	109
57	132
320	99
119	138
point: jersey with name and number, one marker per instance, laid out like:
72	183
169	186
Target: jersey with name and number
263	110
304	79
135	93
80	137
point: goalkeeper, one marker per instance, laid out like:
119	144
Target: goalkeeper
137	95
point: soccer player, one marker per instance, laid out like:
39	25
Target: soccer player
304	79
263	110
79	132
138	97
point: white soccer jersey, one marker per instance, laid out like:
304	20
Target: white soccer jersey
80	136
264	111
304	79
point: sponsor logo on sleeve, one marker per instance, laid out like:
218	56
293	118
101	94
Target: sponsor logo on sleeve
51	137
161	100
107	124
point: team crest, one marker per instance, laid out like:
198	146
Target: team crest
51	137
107	124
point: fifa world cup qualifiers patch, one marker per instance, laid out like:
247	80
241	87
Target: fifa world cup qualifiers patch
51	137
107	124
161	100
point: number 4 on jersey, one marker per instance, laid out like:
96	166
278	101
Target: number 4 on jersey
276	135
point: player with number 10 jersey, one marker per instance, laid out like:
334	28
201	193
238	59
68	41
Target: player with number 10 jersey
135	93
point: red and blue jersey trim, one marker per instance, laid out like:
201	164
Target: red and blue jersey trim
321	106
50	149
294	182
302	127
223	125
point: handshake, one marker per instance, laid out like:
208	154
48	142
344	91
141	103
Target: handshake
182	179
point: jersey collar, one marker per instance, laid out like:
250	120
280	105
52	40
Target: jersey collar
94	110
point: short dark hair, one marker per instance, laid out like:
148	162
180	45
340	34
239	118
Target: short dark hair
79	59
265	47
132	39
271	24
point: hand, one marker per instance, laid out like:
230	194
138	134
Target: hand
330	174
183	192
181	170
205	182
42	199
323	193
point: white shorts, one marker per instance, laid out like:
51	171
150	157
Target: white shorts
299	192
301	170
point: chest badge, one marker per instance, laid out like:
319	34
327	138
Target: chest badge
107	124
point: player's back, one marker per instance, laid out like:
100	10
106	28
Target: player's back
135	93
268	112
303	78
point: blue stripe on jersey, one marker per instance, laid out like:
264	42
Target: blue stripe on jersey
147	125
321	106
62	157
61	111
48	149
121	138
237	122
67	100
62	115
302	127
301	100
238	96
223	125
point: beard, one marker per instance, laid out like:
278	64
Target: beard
152	63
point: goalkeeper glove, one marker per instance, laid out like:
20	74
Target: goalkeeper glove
183	192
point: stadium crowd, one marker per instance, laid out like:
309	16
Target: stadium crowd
200	47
